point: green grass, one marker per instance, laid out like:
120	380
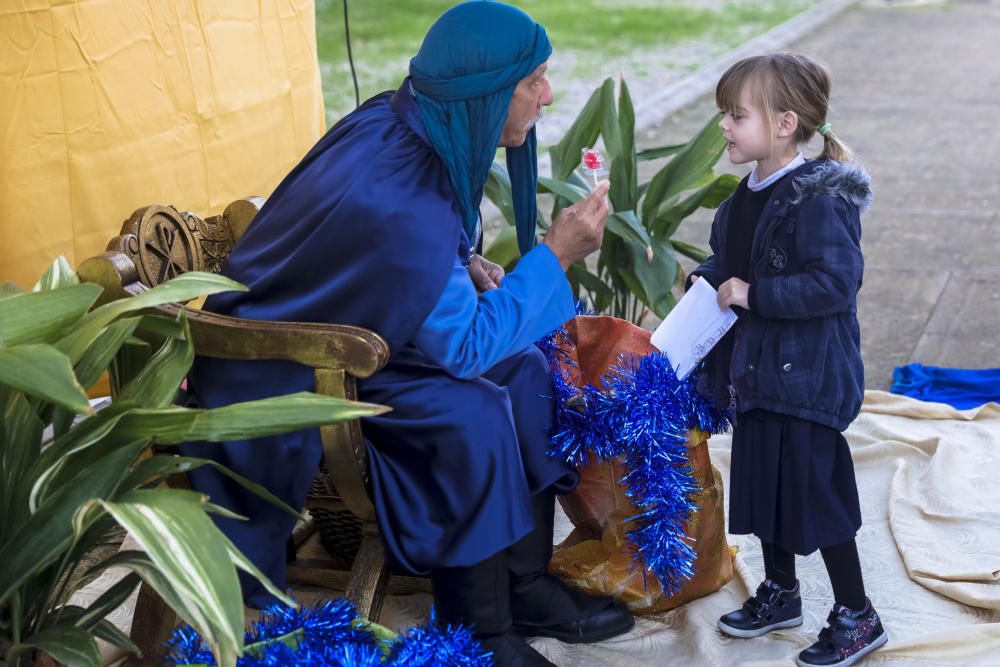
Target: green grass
598	38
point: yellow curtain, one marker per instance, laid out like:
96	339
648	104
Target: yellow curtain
109	105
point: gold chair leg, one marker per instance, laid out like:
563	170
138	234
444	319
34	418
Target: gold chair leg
369	575
152	623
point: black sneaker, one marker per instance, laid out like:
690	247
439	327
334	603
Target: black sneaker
771	608
849	636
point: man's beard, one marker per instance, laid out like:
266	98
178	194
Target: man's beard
534	121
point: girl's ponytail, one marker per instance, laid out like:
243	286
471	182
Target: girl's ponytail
833	148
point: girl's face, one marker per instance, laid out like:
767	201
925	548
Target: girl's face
751	138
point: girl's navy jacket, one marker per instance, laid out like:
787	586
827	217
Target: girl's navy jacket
797	349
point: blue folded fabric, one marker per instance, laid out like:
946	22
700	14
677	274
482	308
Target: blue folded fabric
960	387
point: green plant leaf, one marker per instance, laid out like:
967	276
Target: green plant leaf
161	466
569	192
48	532
157	384
656	277
140	563
610	130
59	455
129	362
110	600
100	628
601	293
668	219
42	317
159	326
191	554
244	564
98	357
9	289
690	251
44	372
59	274
503	250
242	421
624	173
498	191
107	631
19	449
659	152
581	134
687	168
182	288
68	645
626	226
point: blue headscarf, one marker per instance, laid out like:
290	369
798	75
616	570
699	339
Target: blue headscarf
464	77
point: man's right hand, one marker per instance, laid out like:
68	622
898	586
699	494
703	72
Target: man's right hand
578	230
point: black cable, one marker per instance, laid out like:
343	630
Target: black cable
350	58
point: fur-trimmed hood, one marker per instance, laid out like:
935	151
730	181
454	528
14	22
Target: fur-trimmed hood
847	180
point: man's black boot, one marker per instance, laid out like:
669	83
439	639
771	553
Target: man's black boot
543	606
478	597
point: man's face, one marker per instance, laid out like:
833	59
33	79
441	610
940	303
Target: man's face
531	95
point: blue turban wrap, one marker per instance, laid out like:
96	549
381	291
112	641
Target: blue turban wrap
464	77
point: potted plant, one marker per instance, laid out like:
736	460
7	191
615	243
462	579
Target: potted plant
637	265
70	476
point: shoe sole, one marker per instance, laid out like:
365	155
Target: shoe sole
746	634
879	641
529	631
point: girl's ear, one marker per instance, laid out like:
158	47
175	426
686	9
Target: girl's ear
788	124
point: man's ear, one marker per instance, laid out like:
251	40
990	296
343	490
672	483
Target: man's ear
788	124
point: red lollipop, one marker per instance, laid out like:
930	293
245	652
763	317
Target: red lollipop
593	163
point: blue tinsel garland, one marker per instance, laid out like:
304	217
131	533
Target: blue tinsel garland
330	635
642	413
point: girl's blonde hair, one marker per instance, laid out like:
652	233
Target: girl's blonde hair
781	82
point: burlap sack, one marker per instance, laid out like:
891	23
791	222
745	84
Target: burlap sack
597	557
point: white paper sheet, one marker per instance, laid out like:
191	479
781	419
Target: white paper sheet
692	328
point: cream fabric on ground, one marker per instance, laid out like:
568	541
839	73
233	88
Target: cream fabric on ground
929	478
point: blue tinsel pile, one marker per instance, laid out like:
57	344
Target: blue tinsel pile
642	413
330	635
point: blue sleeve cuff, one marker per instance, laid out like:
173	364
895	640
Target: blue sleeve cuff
544	266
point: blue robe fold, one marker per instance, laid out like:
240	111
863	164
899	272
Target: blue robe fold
365	231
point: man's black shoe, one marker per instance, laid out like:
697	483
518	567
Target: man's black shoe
771	608
849	636
610	620
543	606
509	650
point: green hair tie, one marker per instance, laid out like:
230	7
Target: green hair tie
824	128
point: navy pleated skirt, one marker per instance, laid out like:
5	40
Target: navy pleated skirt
792	483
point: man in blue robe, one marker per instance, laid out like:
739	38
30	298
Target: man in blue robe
378	227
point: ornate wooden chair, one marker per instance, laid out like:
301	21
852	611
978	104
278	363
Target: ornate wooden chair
159	242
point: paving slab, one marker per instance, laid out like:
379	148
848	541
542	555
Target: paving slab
915	93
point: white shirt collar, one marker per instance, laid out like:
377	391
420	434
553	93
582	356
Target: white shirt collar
755	184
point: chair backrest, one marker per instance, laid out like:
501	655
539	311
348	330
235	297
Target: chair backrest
159	242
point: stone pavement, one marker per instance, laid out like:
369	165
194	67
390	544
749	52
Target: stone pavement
915	92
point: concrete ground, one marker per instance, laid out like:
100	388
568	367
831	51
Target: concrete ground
915	92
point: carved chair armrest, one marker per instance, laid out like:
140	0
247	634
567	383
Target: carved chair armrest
339	354
358	351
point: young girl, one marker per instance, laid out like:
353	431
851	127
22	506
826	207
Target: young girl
787	257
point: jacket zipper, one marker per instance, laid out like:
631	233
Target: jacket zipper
732	357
